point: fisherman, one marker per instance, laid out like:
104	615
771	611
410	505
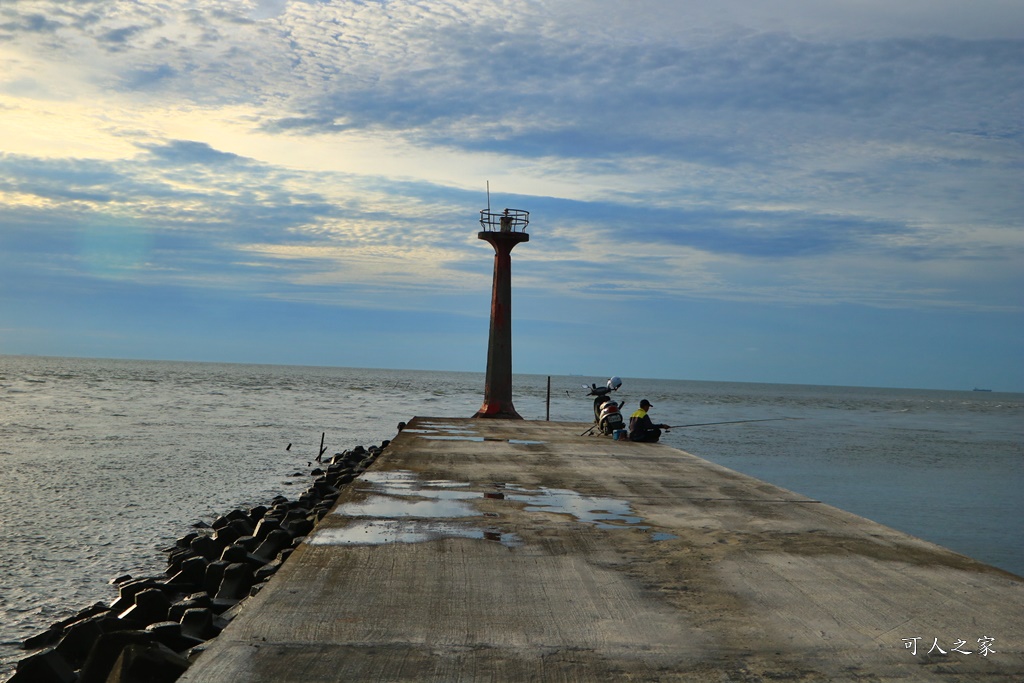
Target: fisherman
641	428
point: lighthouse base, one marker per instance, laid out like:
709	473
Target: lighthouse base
502	411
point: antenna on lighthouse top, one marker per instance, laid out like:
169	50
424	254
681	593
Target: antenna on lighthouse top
488	196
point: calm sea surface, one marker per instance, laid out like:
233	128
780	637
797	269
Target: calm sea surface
104	462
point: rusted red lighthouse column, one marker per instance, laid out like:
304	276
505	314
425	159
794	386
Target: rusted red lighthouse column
503	231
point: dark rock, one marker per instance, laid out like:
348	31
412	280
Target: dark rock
299	527
236	514
276	541
152	663
236	582
126	593
266	525
227	616
207	546
169	633
234	553
266	571
43	639
325	488
186	540
190	574
151	605
256	513
227	534
250	543
198	623
106	651
90	611
294	514
244	526
176	558
48	666
214	575
194	601
193	654
80	637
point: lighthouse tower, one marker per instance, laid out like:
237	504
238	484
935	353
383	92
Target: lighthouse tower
503	230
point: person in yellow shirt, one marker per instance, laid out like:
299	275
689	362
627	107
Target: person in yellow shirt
641	428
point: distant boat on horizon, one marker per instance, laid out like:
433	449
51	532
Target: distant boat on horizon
977	389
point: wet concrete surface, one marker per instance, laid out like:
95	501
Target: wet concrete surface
509	550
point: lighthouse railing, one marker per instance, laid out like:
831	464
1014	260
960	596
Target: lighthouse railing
508	220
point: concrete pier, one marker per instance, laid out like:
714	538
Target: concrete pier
499	550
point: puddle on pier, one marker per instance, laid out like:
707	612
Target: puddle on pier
390	507
455	438
380	531
433	431
402	508
604	513
406	509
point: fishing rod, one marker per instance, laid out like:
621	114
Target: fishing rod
733	422
706	424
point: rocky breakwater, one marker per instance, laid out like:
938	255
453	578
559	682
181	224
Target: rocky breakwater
157	626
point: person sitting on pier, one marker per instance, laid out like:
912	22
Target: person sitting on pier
641	428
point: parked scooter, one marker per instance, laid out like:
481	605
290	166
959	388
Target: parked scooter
607	415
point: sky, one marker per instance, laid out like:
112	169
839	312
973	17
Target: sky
803	191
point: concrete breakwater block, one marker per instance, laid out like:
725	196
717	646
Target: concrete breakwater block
150	606
79	637
54	633
151	663
105	652
276	541
190	573
238	579
195	601
200	623
48	666
155	626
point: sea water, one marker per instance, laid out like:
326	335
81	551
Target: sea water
105	462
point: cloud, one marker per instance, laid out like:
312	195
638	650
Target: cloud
723	151
31	23
148	77
178	152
